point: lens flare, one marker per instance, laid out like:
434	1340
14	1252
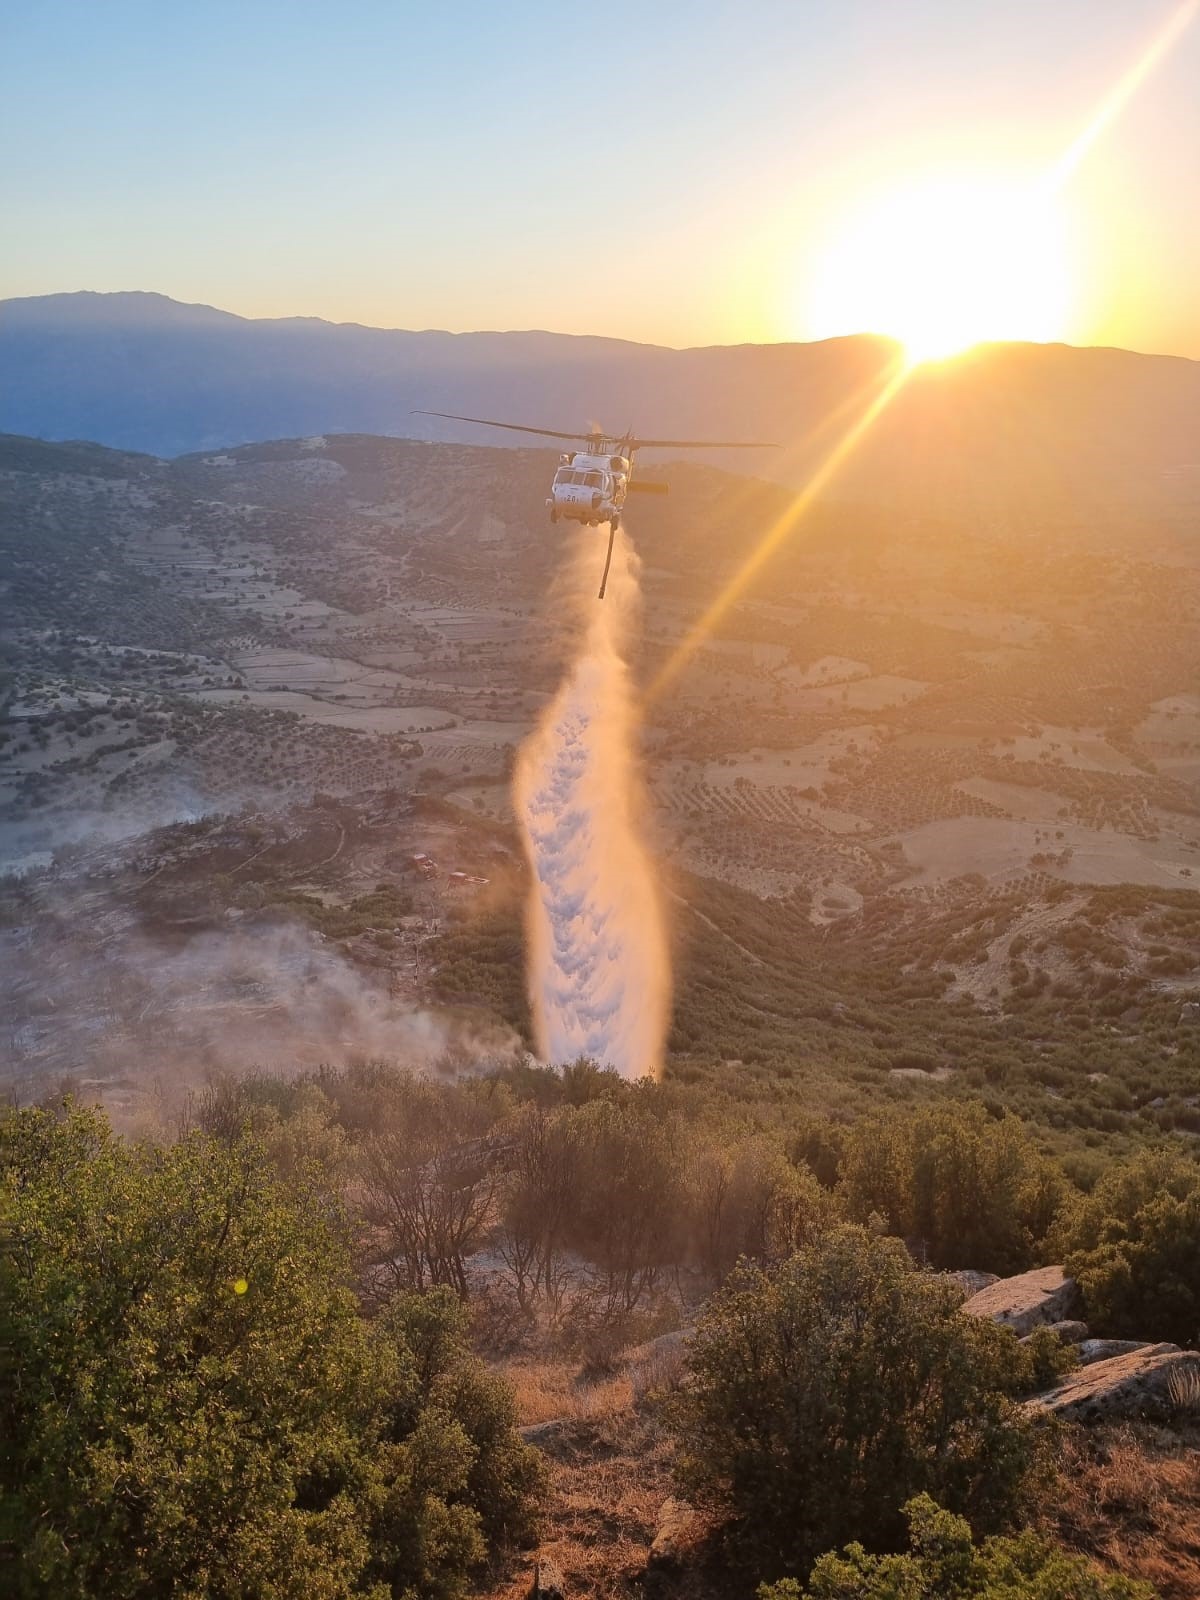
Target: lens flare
892	382
1172	30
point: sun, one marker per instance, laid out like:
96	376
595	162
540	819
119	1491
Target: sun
946	263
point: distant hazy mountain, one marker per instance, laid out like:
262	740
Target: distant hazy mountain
143	372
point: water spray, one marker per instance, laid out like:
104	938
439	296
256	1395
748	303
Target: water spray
598	968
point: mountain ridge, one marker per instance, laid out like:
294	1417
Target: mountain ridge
989	430
140	297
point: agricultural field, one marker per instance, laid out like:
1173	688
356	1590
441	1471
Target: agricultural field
925	800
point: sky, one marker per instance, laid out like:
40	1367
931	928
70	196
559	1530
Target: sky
679	173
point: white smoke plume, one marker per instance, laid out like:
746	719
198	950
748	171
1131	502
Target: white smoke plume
599	970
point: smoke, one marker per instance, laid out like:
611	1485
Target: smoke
128	1015
27	845
598	966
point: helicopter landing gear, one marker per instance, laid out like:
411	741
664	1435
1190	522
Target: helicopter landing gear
554	516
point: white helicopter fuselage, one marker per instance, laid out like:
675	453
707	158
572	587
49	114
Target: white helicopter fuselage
589	487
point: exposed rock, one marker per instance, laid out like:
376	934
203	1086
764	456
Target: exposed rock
1122	1388
1101	1349
1190	1012
673	1530
667	1344
970	1281
659	1363
1069	1332
1027	1301
547	1582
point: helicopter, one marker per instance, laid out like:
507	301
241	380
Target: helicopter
590	484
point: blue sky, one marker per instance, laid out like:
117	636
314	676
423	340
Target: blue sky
663	172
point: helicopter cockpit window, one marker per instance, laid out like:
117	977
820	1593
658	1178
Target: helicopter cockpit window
563	475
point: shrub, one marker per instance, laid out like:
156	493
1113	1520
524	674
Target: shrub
192	1404
1134	1246
972	1188
828	1393
626	1213
747	1199
499	1480
944	1563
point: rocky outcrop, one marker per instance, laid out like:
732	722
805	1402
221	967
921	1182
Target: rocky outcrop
1064	1332
674	1529
1027	1301
1122	1388
667	1344
659	1363
1104	1349
970	1281
547	1582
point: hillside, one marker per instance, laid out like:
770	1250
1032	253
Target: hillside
925	804
1000	430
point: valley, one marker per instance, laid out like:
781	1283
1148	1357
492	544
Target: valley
925	801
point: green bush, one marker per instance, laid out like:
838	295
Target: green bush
973	1189
944	1564
827	1394
192	1404
746	1198
1134	1246
505	1478
627	1207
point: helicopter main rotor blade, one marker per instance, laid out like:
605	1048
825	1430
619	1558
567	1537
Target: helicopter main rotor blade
513	427
701	444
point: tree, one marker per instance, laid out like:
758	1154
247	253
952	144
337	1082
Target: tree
429	1181
505	1478
627	1205
535	1206
973	1189
192	1403
291	1117
1133	1244
747	1199
826	1394
946	1564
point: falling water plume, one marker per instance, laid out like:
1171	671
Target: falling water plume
598	967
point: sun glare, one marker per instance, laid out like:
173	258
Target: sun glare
947	264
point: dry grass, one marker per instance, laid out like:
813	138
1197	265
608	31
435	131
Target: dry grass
608	1485
547	1390
1183	1390
1129	1496
1130	1499
658	1367
610	1473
